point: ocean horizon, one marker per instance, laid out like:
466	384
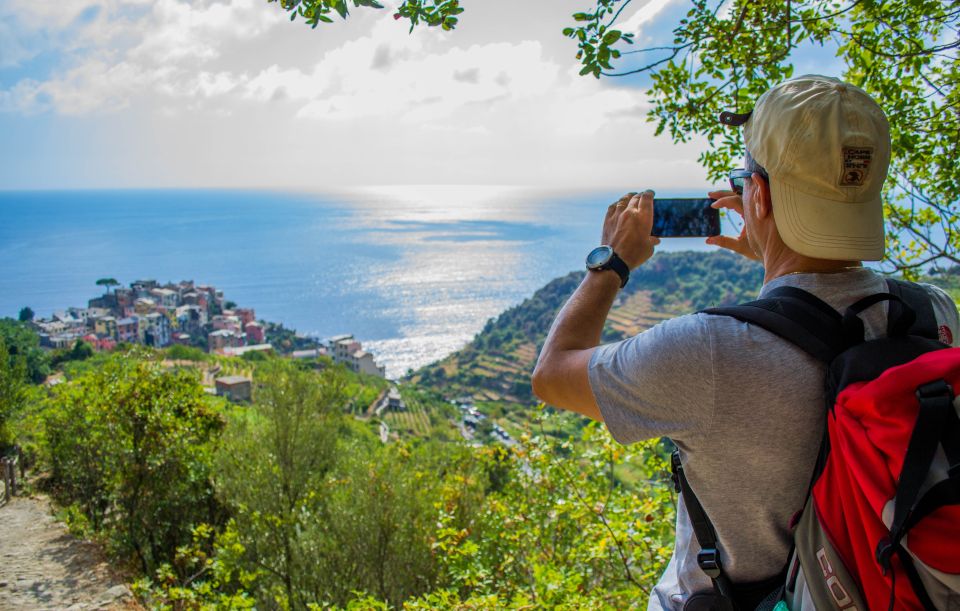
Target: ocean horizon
413	272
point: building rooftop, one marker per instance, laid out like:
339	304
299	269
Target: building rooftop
241	350
231	380
224	333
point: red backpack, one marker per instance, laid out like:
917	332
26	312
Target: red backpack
881	525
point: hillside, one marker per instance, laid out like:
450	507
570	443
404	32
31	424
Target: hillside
494	368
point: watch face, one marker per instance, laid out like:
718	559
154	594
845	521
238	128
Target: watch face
599	256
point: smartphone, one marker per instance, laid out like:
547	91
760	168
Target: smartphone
685	218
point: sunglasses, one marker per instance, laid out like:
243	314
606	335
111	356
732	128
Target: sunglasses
739	176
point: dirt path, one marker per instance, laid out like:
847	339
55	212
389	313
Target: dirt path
42	566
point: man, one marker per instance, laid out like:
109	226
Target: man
745	408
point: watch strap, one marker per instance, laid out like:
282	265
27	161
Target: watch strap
617	264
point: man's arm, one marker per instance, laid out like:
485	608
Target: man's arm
561	374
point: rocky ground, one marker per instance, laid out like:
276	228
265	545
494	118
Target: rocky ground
44	567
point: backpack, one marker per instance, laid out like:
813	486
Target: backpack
881	525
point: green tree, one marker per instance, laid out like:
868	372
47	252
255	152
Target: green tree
108	283
80	351
380	521
23	344
270	473
127	444
26	314
722	57
13	380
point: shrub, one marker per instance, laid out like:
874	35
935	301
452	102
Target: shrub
128	443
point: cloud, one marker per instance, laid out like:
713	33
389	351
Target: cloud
466	76
208	91
645	14
381	58
113	51
197	32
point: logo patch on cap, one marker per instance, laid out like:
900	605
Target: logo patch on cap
856	164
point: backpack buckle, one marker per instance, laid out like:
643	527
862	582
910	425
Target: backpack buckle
933	390
884	550
709	561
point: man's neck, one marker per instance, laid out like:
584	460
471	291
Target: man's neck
798	264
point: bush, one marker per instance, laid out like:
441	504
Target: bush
185	353
129	445
270	472
13	392
23	345
80	351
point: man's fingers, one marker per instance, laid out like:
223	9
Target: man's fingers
638	198
619	205
719	194
621	201
738	245
645	210
732	202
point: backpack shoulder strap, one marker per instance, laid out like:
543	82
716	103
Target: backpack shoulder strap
708	559
796	316
919	301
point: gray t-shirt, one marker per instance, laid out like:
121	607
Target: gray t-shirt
746	409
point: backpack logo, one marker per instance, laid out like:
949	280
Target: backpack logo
837	591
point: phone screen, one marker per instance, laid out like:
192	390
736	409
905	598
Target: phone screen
685	218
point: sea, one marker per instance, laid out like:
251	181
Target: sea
413	272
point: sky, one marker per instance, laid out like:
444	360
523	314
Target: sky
230	93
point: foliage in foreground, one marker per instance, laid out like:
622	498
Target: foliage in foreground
544	525
292	503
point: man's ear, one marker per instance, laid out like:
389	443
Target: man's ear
762	202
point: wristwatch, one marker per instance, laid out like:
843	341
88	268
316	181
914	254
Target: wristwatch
602	258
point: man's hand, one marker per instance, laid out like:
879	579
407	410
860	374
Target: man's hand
627	228
731	201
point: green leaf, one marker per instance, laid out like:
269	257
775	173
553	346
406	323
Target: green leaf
611	37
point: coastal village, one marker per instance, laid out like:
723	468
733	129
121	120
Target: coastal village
188	314
185	313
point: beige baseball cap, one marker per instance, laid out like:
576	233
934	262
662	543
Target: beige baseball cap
826	146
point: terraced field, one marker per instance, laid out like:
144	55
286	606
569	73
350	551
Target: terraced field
635	314
413	421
